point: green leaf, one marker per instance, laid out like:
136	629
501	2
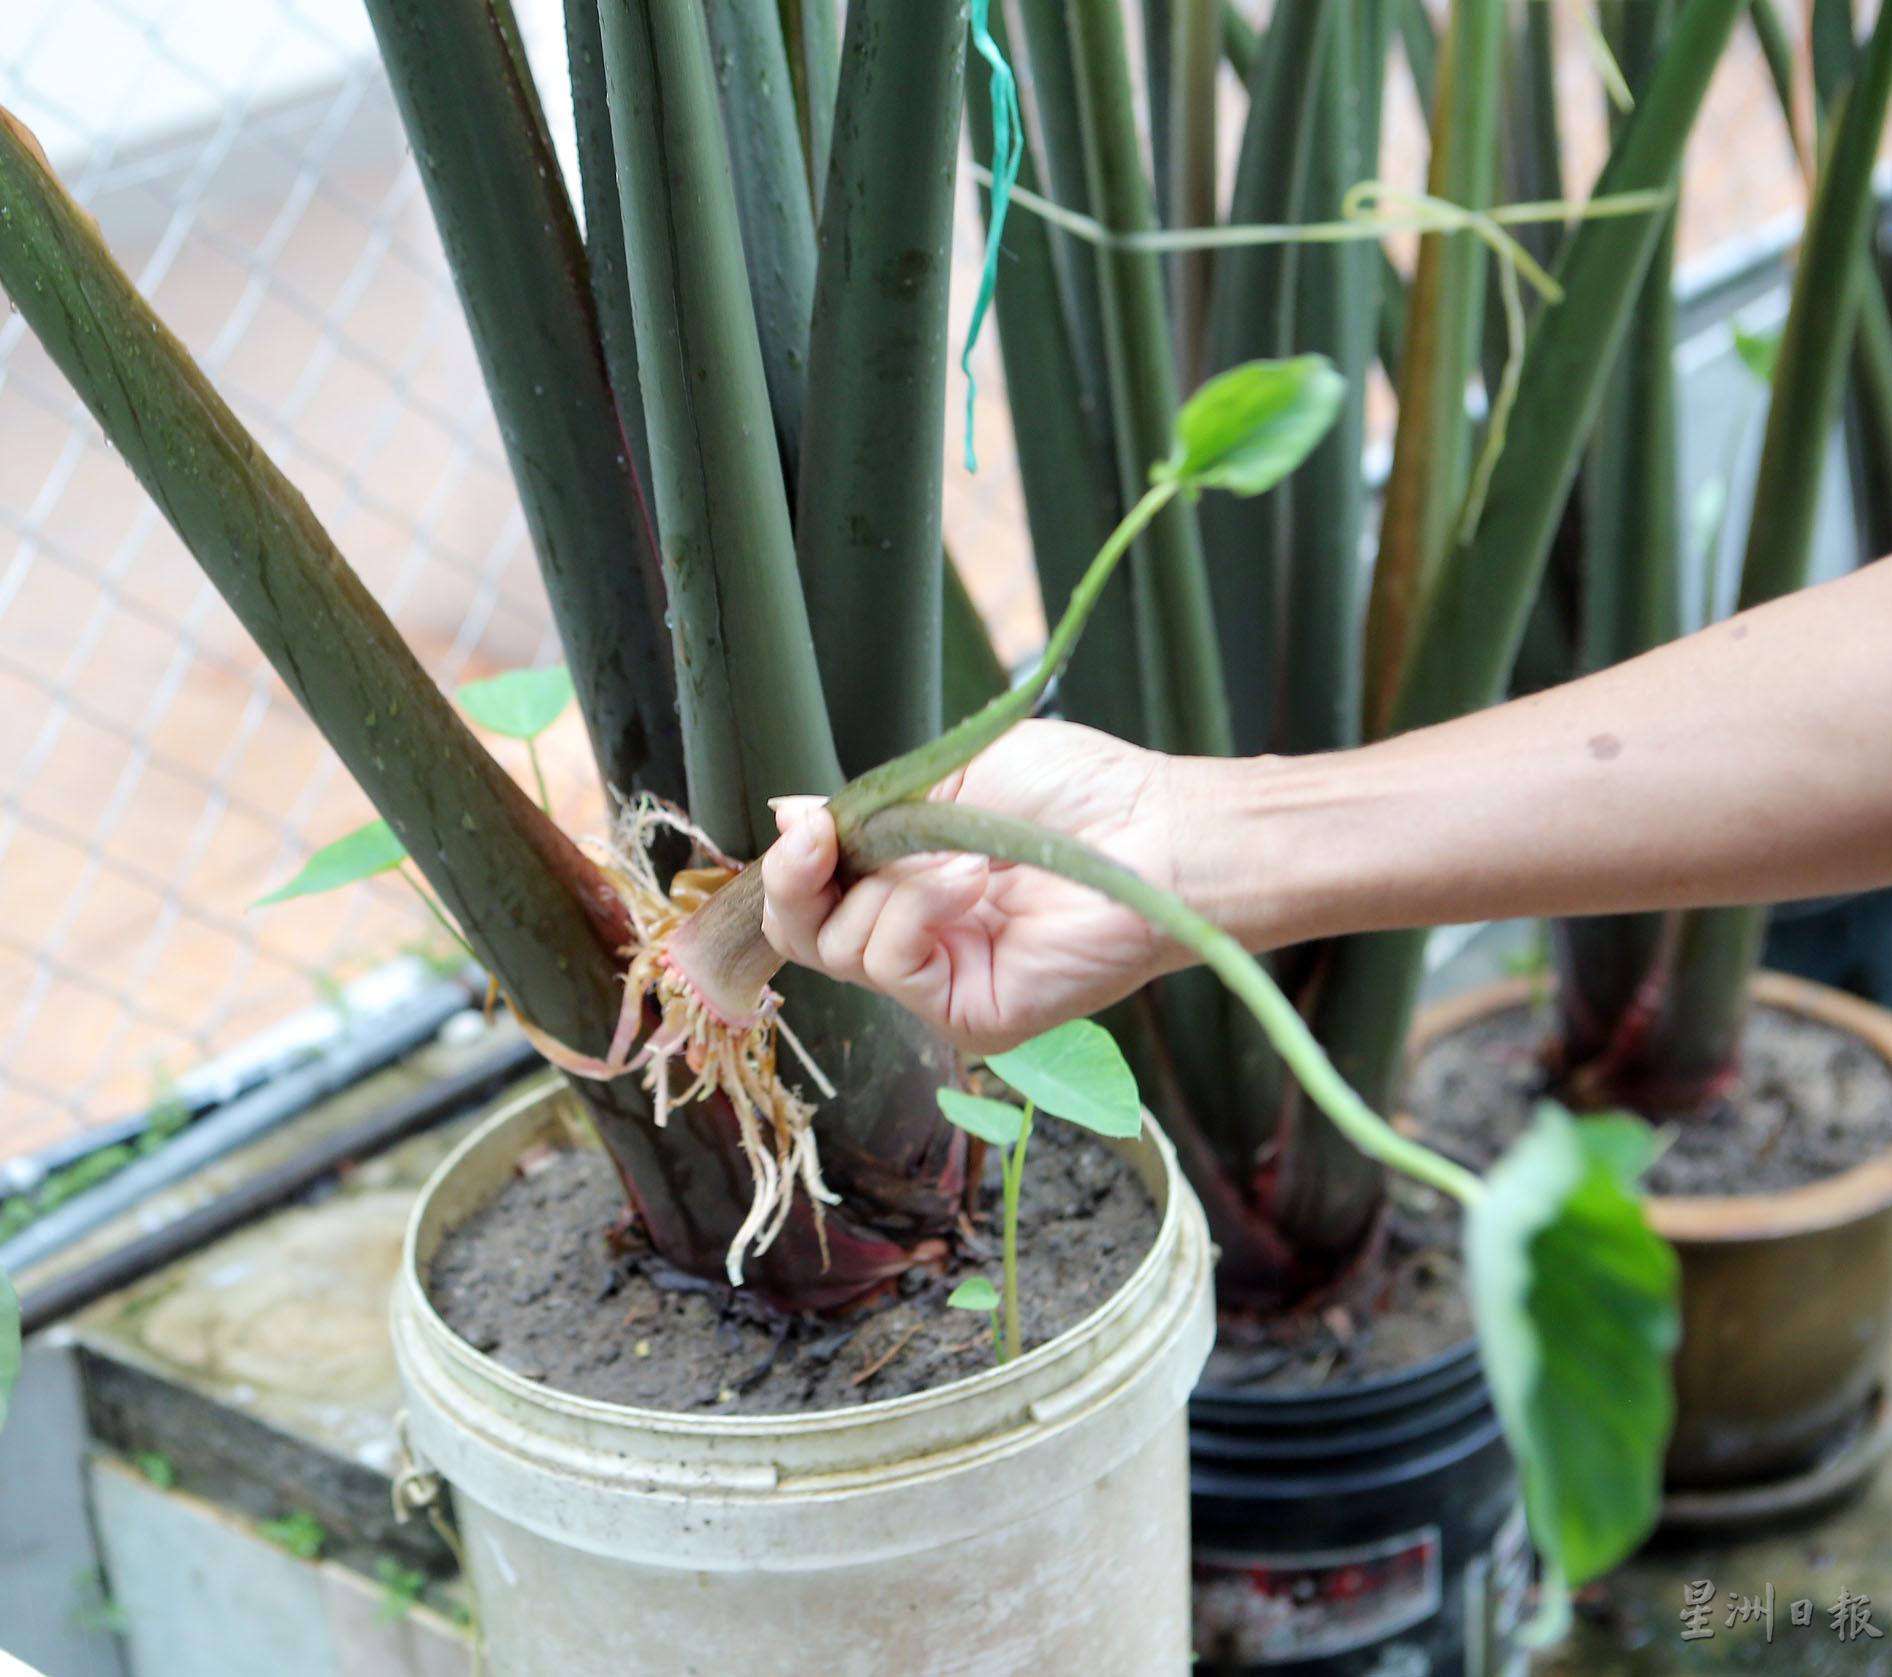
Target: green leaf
156	1467
9	1342
998	1122
521	704
300	1532
976	1294
362	854
1574	1298
1246	429
1077	1073
1758	351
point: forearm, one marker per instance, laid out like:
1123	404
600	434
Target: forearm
1751	762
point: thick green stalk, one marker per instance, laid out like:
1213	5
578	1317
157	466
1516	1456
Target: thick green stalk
868	515
754	723
916	828
604	254
910	775
1421	43
1245	540
1432	448
1195	64
1469	635
1470	630
533	908
1809	379
1321	676
1069	481
1530	162
1611	968
1178	657
519	265
1241	41
1834	51
1047	63
1159	91
773	205
1778	49
1325	1195
971	673
814	66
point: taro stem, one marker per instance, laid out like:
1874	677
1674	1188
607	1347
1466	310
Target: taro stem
917	828
721	949
1243	431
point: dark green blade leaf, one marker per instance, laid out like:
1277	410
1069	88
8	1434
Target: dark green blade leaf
976	1294
359	855
998	1122
1246	429
10	1341
1574	1298
1077	1073
521	704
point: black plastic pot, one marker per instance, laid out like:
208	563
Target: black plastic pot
1369	1530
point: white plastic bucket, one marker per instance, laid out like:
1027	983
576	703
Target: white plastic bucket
1033	1518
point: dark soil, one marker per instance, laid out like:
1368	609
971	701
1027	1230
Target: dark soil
1812	1101
532	1280
1405	1307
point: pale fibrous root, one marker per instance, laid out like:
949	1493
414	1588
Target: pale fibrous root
699	1048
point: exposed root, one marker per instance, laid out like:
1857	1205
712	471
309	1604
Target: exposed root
698	1049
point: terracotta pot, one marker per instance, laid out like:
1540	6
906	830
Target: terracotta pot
1786	1297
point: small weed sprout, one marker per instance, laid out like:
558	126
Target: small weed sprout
156	1466
300	1532
1076	1073
401	1589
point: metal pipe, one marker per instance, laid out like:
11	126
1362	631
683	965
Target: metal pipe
379	1042
192	1232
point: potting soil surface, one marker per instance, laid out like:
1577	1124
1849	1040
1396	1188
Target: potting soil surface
533	1280
1811	1101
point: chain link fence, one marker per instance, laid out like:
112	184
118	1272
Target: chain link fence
244	160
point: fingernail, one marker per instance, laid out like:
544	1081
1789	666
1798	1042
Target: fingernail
802	841
962	868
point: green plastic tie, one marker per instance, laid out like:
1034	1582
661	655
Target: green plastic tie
1008	152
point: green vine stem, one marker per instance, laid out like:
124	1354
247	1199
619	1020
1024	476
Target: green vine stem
911	774
914	828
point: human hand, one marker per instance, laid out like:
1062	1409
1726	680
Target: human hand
988	953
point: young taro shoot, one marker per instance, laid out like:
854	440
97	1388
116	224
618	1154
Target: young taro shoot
1075	1072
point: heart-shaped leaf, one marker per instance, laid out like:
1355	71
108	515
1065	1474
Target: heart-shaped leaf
10	1342
1574	1297
976	1294
998	1122
1078	1073
521	704
362	854
1246	429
